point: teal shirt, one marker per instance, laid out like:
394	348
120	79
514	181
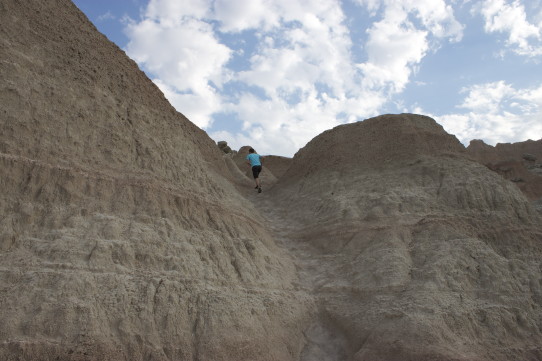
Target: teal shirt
254	159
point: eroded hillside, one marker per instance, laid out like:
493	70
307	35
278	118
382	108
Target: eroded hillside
121	236
413	251
126	234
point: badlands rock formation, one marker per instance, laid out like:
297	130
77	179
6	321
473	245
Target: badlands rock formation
506	151
413	251
126	234
520	162
277	165
122	236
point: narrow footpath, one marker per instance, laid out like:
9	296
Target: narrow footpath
324	342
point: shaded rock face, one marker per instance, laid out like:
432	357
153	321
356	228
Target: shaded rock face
419	253
277	165
519	162
122	237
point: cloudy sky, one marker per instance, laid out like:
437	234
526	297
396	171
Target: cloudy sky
276	73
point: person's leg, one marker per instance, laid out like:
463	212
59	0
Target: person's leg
256	173
258	185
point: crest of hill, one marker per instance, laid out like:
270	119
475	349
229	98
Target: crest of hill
485	153
121	236
379	141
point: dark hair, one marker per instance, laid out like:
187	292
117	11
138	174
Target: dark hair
251	150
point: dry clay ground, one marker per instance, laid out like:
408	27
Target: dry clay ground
324	341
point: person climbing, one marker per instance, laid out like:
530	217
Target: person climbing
255	161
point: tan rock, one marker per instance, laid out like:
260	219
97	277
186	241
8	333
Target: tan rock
122	236
516	162
277	165
414	251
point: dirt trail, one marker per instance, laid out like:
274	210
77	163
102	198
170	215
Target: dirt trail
324	341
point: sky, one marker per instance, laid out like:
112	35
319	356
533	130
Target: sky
274	74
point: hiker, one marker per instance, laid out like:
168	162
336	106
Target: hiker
255	161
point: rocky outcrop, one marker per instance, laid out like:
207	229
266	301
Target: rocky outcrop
277	165
519	162
418	253
529	149
122	237
223	146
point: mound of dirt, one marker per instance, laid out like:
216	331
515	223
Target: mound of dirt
415	251
395	141
122	237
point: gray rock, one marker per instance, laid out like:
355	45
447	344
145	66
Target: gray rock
223	145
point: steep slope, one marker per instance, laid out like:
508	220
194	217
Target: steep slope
414	251
120	237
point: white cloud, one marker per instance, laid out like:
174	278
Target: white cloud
487	98
199	107
184	55
173	11
302	64
306	70
106	16
436	15
392	49
239	15
396	45
497	113
510	17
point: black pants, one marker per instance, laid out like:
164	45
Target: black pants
256	171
